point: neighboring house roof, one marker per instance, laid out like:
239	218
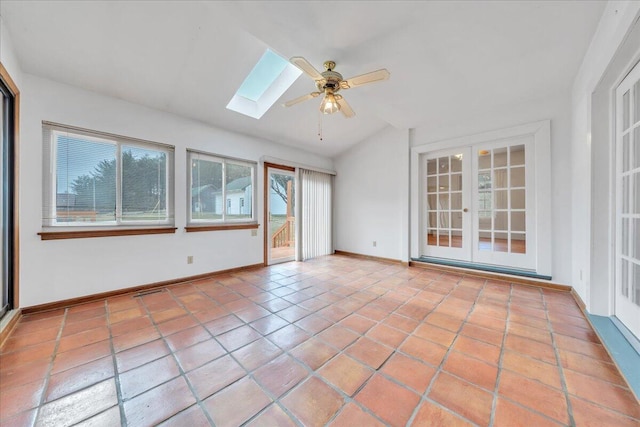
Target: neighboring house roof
239	184
195	191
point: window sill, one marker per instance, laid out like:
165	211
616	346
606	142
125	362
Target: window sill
83	234
195	228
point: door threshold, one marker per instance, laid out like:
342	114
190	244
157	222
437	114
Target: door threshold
481	267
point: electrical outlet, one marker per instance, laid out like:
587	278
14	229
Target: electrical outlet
190	259
375	243
254	232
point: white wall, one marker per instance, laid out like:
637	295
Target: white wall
613	27
61	269
7	54
370	202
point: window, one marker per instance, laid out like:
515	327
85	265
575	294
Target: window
222	189
268	80
96	179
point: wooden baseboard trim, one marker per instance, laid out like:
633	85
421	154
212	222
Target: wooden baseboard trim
494	276
6	328
370	257
110	294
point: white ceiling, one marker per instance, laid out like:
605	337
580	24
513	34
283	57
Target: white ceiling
449	61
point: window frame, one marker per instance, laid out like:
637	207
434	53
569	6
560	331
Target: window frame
50	223
224	223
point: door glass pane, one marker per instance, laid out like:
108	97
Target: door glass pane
518	243
635	284
625	232
518	221
456	238
456	182
484	241
432	201
635	237
517	177
456	163
443	182
500	178
636	192
456	220
432	184
501	242
501	198
443	239
281	216
501	221
432	167
432	239
624	279
625	194
636	102
625	111
443	165
517	199
484	159
626	153
516	153
500	157
456	201
636	148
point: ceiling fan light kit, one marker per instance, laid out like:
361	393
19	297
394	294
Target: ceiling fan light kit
330	82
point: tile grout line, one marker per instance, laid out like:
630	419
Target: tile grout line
181	371
494	403
123	417
556	352
47	377
424	397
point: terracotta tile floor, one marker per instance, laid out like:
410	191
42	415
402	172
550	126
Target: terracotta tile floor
333	341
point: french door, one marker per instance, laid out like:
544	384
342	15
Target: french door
280	232
627	281
478	203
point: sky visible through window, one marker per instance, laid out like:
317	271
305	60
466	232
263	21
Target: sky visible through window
268	68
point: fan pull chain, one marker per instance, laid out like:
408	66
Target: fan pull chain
320	125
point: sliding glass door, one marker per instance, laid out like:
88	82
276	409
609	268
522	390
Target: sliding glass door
6	199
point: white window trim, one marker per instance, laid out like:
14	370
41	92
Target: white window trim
224	160
541	132
50	179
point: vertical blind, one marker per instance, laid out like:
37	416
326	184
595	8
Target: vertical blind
316	194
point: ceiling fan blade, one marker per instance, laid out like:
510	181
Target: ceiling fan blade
363	79
300	99
344	107
306	67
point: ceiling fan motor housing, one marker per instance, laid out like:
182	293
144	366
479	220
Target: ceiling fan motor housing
330	80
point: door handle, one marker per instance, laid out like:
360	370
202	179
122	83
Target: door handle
465	210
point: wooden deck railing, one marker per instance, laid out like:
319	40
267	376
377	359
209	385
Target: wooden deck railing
285	235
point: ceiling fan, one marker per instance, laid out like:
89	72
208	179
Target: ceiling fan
330	82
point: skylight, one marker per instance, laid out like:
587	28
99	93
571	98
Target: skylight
266	82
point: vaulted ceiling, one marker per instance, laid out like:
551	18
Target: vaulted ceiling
449	61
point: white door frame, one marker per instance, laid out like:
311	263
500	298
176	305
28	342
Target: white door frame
541	132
